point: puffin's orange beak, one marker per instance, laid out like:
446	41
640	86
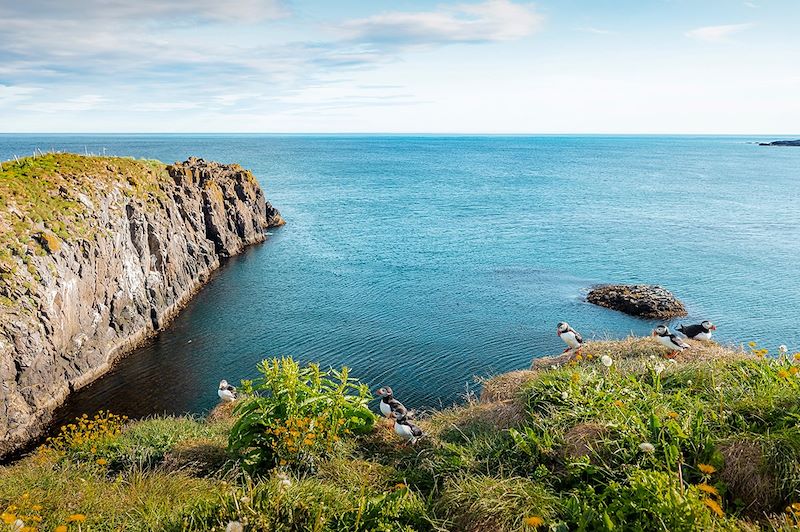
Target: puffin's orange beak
654	333
558	333
713	327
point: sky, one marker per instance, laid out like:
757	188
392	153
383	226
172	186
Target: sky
400	66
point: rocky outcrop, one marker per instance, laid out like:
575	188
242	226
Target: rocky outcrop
640	300
781	143
130	243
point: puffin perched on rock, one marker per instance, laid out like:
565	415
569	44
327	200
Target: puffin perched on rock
701	331
405	428
670	340
570	336
389	404
226	392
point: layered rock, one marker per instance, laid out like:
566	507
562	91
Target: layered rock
640	300
100	253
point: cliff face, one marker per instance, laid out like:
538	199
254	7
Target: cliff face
99	253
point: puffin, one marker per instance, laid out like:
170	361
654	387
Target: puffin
571	337
698	332
405	428
389	404
226	392
670	340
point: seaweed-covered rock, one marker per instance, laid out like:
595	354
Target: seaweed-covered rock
640	300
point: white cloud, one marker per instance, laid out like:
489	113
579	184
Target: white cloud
14	93
717	33
81	10
492	20
79	103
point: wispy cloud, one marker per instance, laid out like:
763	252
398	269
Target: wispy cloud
596	31
492	20
717	33
170	11
84	102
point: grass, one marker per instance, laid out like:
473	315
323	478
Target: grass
708	442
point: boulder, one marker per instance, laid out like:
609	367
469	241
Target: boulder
640	300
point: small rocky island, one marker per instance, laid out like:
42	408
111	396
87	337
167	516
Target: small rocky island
97	254
640	300
781	143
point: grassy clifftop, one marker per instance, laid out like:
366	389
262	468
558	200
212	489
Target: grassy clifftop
49	199
708	442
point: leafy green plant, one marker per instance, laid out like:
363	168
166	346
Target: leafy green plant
293	416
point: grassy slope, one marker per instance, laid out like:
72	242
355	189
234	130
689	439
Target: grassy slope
561	444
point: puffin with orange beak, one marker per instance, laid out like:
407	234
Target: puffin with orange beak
701	331
389	404
570	336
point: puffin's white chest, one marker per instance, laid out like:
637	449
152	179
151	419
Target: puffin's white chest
704	336
226	395
404	431
385	408
667	342
570	339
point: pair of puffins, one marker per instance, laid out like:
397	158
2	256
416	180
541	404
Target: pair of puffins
394	409
701	331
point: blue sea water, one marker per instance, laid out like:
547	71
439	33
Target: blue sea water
422	262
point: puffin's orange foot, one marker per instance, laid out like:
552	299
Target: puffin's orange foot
671	356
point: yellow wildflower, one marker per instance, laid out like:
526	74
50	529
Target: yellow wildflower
618	403
707	488
579	357
783	374
673	415
80	518
575	377
102	461
399	486
8	518
751	344
797	356
793	370
796	506
706	468
61	528
535	521
36	507
715	507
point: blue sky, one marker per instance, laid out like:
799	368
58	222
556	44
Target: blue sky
461	66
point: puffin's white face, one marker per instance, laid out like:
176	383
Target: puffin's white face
708	326
223	383
661	330
562	327
384	392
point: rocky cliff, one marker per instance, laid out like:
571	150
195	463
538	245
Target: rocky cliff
98	253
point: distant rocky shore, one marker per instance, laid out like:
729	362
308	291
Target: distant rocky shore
781	143
640	300
97	254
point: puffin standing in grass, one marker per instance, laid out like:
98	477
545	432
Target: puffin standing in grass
226	392
389	404
701	331
405	428
570	336
670	340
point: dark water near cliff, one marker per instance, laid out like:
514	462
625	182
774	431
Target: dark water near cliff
423	261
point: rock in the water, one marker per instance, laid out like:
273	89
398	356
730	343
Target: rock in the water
781	143
640	300
99	253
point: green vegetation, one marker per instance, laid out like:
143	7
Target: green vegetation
49	199
708	442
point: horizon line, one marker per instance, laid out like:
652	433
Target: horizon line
390	133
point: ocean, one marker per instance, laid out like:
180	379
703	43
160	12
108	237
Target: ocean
423	262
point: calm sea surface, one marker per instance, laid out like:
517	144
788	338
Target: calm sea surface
421	262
